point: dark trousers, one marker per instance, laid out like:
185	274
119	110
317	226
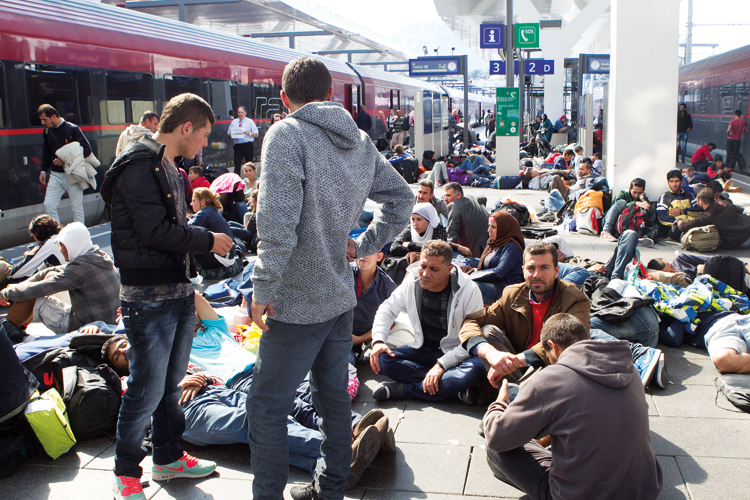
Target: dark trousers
733	151
245	150
526	468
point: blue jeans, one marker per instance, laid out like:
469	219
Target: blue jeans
614	212
18	384
642	327
489	292
219	417
623	255
472	165
555	201
682	140
287	352
160	335
410	366
365	218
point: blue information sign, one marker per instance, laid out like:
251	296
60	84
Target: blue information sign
597	64
435	66
491	36
531	67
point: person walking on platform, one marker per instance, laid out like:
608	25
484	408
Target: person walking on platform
243	132
736	128
302	280
58	133
684	125
152	243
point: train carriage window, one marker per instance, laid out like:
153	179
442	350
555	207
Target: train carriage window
3	120
742	93
234	89
66	89
176	85
128	96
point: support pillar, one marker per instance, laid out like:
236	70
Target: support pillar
641	121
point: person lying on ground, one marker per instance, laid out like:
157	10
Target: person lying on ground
436	296
44	230
89	277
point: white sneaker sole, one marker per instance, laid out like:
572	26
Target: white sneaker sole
166	476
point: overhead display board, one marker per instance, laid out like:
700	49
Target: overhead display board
491	36
596	64
507	112
435	66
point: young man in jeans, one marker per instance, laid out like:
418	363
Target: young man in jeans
633	197
152	242
307	204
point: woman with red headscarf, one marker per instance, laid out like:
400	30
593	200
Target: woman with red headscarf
501	263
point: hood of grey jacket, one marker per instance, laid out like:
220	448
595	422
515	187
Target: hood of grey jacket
607	363
334	119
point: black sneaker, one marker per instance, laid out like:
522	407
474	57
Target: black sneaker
468	396
16	334
304	492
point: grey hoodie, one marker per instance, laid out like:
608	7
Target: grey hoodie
318	171
592	404
130	134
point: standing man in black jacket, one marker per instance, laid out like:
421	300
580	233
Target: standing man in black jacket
364	120
58	133
684	125
152	243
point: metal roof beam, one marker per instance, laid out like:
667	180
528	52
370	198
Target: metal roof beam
180	4
381	63
276	34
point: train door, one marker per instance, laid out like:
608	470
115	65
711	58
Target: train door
395	99
351	99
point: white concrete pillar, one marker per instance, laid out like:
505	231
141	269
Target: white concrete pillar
641	121
554	87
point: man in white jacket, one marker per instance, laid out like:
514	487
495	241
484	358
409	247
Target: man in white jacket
436	297
147	126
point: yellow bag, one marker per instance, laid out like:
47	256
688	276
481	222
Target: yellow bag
48	418
251	336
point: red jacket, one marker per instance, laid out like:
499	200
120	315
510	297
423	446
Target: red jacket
200	182
702	154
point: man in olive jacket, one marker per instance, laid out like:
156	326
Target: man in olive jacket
513	324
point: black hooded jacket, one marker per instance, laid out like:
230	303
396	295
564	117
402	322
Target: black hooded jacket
148	242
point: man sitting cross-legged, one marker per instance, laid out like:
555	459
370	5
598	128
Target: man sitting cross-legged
436	296
590	402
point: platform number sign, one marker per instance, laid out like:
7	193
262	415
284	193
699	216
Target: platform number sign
527	35
508	114
492	36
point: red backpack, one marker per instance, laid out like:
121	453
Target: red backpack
634	218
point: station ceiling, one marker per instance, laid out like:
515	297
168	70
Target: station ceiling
246	17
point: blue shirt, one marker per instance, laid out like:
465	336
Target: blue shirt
369	300
214	349
248	125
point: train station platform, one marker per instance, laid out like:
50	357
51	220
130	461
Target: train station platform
702	442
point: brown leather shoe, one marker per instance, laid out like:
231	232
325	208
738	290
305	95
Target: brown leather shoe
371	418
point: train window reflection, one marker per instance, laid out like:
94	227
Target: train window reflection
66	89
129	95
2	98
176	85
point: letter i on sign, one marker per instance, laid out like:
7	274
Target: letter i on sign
492	37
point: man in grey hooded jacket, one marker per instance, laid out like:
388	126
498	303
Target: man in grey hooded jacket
590	403
318	171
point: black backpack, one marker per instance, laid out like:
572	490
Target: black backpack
518	211
395	268
92	396
728	270
410	170
405	124
568	209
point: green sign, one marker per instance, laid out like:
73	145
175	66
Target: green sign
507	112
527	35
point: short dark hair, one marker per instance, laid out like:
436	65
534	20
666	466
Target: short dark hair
657	264
638	183
718	158
47	110
399	149
105	347
528	164
196	170
564	330
568	152
683	104
428	183
597	155
578	148
438	248
738	112
454	186
711	144
674	173
715	186
148	116
185	108
43	227
541	248
306	79
706	195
